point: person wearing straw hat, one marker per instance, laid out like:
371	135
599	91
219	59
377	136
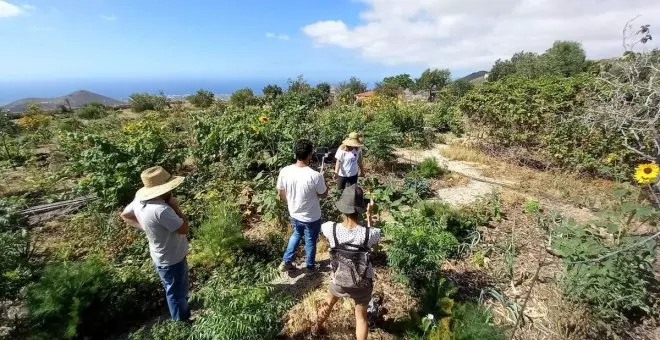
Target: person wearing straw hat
350	249
349	161
155	211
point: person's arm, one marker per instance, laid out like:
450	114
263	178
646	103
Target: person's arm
184	226
370	208
130	219
360	165
321	187
336	172
128	215
282	194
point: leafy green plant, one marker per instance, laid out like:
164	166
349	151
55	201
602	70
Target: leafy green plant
16	268
532	207
88	298
140	102
203	98
473	321
429	168
92	111
235	309
163	330
416	187
218	237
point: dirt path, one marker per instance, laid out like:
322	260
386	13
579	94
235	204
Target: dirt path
477	186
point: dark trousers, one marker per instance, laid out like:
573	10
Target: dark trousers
343	182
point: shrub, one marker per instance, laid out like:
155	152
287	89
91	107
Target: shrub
92	111
472	321
238	310
15	268
378	137
429	168
163	330
111	169
218	237
35	122
417	185
243	97
202	98
140	102
10	214
618	287
86	299
69	124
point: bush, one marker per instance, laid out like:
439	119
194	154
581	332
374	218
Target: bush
218	237
15	268
429	168
243	98
618	287
202	98
417	185
140	102
163	330
238	310
87	298
92	111
111	169
472	321
378	137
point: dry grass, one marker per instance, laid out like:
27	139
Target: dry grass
341	323
560	186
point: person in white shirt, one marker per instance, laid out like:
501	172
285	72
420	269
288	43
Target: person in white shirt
301	187
156	212
349	161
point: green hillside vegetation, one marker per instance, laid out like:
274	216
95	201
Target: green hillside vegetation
88	275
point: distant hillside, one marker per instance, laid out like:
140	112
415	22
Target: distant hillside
75	99
475	76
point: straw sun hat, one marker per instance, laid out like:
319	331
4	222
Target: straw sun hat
353	140
157	181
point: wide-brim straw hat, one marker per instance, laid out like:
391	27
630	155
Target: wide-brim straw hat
353	140
351	200
157	181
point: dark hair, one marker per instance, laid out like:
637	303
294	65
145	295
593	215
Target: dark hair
303	149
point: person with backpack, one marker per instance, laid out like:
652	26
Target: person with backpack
350	251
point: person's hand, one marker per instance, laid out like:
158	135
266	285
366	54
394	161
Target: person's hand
334	176
370	207
172	202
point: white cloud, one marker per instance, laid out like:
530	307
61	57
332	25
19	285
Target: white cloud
9	10
29	7
474	33
109	17
272	35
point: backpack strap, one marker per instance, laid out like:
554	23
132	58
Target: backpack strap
334	233
366	237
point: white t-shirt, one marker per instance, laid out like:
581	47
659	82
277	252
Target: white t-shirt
303	186
348	162
353	236
160	223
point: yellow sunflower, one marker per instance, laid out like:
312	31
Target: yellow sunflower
646	173
255	129
263	119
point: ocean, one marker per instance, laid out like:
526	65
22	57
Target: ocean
120	89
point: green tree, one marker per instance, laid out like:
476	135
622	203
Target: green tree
433	80
460	87
404	81
140	102
298	85
243	98
348	89
525	64
203	98
565	58
7	129
92	111
389	89
271	92
325	90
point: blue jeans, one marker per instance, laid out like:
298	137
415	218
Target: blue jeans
175	281
311	231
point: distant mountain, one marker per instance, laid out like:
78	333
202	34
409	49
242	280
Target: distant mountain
475	76
75	99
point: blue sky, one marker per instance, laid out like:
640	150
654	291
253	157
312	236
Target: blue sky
58	39
48	47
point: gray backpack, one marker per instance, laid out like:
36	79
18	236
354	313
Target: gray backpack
350	262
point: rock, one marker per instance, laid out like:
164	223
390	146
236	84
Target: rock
17	312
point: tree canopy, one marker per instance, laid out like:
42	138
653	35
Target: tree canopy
203	98
243	97
433	80
348	89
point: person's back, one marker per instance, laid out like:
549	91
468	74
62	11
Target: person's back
302	186
160	222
